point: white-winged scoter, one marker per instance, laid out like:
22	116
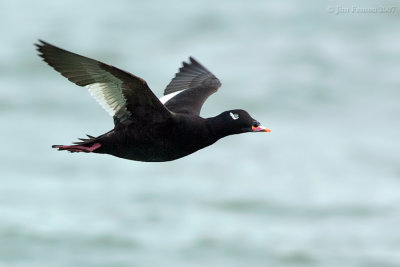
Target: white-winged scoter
147	128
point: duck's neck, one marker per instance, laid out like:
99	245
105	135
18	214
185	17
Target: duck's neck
218	128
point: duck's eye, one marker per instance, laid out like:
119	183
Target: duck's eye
234	116
256	124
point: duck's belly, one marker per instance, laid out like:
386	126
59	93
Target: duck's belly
155	145
154	153
150	151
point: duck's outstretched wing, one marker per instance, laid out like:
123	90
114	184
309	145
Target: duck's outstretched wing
122	94
190	88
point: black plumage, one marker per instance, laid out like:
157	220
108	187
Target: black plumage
147	128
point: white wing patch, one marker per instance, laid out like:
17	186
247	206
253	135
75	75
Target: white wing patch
234	116
109	96
166	98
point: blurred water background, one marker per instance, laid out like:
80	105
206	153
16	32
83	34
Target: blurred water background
323	189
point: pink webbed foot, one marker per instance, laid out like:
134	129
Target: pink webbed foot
78	148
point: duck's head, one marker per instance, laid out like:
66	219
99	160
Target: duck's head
237	121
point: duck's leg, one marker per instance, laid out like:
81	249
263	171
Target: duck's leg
78	148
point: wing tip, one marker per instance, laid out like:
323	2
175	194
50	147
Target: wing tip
40	43
192	59
45	48
40	48
192	65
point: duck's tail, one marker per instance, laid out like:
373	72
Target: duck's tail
85	145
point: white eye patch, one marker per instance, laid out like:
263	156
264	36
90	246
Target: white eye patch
234	116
